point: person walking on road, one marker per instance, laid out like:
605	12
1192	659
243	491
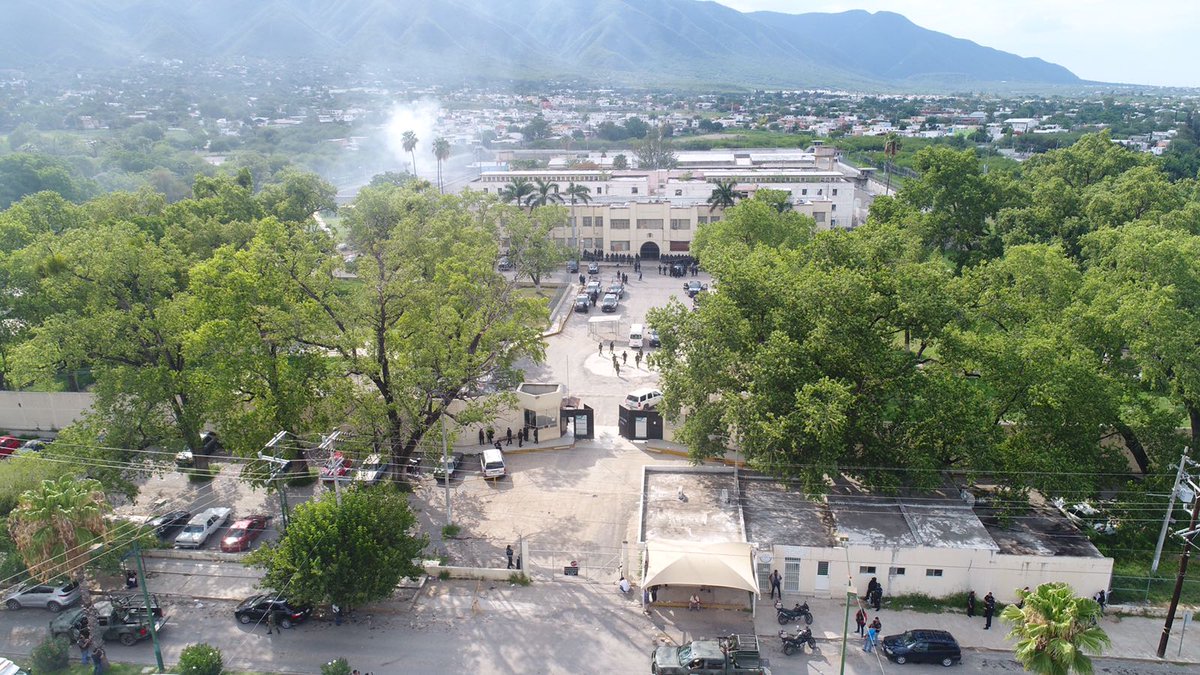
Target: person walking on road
776	580
624	358
860	620
971	604
989	609
508	436
509	553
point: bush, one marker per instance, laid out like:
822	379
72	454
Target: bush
519	579
336	667
201	659
51	656
450	531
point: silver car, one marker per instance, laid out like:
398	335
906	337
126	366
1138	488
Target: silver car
53	597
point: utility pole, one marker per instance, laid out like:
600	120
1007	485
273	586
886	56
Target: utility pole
327	446
1162	534
446	469
1189	540
150	618
279	465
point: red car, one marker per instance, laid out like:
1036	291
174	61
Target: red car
336	468
9	445
242	533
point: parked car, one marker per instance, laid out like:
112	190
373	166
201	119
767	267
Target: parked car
31	446
9	445
582	303
243	533
923	646
371	471
337	467
1085	514
617	290
592	287
609	303
164	525
505	264
694	288
445	468
593	268
572	267
652	338
53	597
641	399
255	608
201	527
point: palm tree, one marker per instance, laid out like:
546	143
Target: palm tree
441	150
891	147
517	191
544	194
724	195
54	527
576	192
1053	630
409	142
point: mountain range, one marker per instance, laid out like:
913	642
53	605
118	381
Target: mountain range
619	41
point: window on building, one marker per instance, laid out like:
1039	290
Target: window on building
587	221
933	573
599	190
681	224
834	192
649	223
570	222
679	193
701	220
619	246
823	568
819	217
599	242
804	191
619	223
599	221
866	569
833	207
791	574
896	571
587	243
681	246
633	191
820	192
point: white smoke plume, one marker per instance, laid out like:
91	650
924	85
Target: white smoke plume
419	117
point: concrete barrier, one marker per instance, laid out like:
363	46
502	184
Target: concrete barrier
434	569
41	411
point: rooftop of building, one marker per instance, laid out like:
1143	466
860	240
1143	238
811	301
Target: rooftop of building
1035	531
777	513
698	504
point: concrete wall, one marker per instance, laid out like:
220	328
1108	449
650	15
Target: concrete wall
27	411
961	570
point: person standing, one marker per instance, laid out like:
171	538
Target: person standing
509	553
970	604
877	625
989	609
535	431
872	635
860	620
624	358
1102	600
99	660
612	348
491	434
272	622
601	342
508	436
1021	598
85	646
637	358
337	614
481	436
776	581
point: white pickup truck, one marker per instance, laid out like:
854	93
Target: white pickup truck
201	527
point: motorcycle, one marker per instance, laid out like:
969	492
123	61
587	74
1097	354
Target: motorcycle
786	615
795	643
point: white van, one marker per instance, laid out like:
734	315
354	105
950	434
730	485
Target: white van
643	398
492	463
635	336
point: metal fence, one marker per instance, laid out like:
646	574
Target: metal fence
1130	590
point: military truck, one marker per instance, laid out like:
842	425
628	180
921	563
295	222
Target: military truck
732	655
127	624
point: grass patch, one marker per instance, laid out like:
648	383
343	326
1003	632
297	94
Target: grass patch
444	575
519	578
450	531
1132	582
928	604
197	475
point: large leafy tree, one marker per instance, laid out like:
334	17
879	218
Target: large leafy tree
1055	630
54	528
424	324
347	554
531	248
655	152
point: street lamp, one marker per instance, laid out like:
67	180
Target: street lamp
850	595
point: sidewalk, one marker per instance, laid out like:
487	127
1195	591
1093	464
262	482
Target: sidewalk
1132	637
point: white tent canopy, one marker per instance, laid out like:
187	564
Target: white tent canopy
727	564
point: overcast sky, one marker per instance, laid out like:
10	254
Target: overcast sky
1142	42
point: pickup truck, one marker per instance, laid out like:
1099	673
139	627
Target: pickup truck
732	655
201	527
129	625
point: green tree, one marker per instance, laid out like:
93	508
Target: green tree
336	667
54	527
441	151
724	195
1055	630
24	174
297	196
620	162
655	152
531	248
409	142
517	191
544	193
346	554
201	659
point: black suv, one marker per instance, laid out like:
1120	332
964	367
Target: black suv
255	609
923	646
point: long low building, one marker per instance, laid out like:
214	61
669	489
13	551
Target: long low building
933	543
